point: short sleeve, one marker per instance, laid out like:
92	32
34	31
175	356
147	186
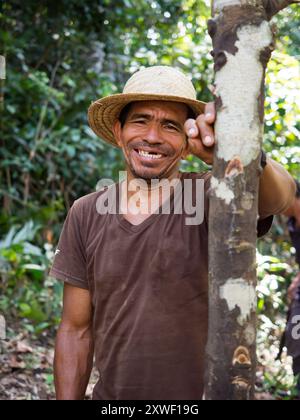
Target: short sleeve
69	263
264	225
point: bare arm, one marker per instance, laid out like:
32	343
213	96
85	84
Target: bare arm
74	350
276	189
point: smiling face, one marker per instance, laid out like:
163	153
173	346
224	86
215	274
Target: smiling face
152	138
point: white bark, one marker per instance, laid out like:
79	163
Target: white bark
221	190
238	84
239	294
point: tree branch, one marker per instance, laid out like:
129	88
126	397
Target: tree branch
272	7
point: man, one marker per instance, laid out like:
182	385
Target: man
293	342
136	292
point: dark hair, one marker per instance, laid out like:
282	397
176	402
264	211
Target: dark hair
124	114
297	189
125	111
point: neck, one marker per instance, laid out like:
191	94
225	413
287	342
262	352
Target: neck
150	190
149	184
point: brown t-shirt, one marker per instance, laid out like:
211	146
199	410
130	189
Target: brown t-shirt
149	288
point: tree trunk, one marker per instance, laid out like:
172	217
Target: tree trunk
242	45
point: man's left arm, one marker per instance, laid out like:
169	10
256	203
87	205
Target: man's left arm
276	190
276	187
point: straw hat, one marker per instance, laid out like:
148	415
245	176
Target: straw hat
160	83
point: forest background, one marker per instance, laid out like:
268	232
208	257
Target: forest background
60	56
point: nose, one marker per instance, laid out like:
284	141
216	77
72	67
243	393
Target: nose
152	135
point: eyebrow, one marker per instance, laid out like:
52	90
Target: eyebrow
149	117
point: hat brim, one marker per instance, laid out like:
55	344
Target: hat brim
102	114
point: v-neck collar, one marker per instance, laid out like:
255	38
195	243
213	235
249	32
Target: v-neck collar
124	223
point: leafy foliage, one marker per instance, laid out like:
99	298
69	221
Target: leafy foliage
26	291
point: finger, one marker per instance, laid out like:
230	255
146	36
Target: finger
196	148
212	89
210	112
206	131
191	128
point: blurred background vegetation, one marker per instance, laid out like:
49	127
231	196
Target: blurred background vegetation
60	57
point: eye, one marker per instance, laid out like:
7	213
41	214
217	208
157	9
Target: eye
139	122
171	127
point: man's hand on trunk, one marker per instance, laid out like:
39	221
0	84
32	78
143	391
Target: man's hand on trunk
200	133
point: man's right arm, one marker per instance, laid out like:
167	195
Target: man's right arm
74	348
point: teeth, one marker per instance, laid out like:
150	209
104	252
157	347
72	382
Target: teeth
149	155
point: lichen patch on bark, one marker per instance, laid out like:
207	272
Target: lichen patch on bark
247	201
249	334
221	190
238	293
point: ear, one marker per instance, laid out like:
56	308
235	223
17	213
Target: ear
117	130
